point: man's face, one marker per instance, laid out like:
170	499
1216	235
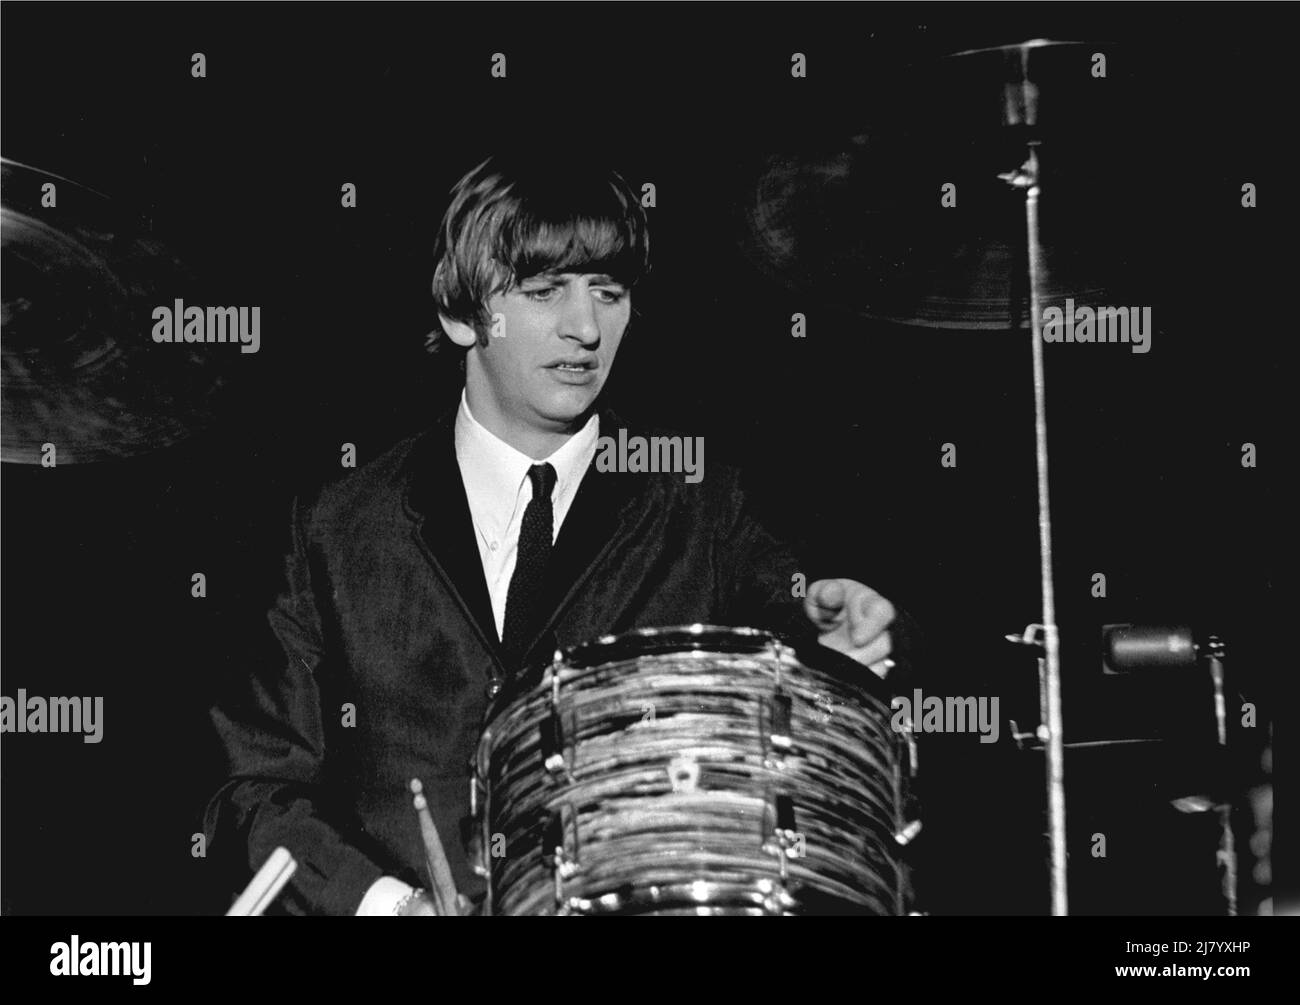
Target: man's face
550	348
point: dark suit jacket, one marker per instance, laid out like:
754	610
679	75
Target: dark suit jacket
386	609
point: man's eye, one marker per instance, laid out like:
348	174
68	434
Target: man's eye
610	296
541	294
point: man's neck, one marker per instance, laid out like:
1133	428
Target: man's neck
530	440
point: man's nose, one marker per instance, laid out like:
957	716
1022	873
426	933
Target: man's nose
578	320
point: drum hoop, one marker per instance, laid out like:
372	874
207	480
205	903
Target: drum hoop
594	652
713	638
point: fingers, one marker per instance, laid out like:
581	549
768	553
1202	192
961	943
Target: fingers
882	668
824	602
831	600
875	654
853	619
869	616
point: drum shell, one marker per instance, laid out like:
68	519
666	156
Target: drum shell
692	770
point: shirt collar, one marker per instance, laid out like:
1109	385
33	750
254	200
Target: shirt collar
494	472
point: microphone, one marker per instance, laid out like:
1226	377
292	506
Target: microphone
1126	648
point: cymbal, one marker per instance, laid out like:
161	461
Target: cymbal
1015	47
840	230
863	227
80	370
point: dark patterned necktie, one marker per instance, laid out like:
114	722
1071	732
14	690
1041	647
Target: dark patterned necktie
535	535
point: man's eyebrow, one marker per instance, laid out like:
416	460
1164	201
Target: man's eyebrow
598	278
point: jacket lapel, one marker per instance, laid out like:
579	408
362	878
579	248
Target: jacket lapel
590	529
445	531
444	528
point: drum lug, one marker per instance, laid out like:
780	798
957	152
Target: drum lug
784	840
560	852
555	738
471	838
906	730
474	854
776	729
782	710
552	743
561	841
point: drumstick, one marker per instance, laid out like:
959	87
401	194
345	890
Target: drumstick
441	884
265	886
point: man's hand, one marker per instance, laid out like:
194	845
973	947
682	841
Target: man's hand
421	905
853	619
417	904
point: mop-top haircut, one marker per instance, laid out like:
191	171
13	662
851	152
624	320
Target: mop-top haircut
511	219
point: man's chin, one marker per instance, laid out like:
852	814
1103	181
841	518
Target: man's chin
569	407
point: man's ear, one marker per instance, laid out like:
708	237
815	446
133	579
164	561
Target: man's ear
459	332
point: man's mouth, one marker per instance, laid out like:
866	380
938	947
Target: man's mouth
575	372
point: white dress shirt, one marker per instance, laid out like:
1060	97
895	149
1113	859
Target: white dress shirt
497	486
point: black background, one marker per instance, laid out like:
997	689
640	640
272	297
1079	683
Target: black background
240	175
